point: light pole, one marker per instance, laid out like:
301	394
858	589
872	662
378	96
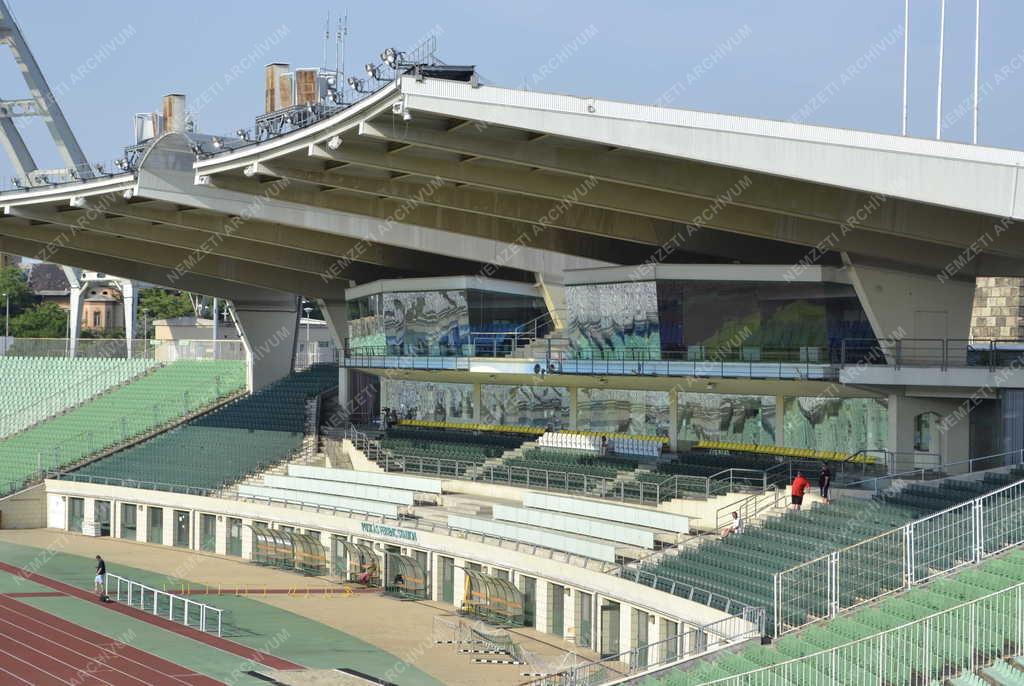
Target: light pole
309	359
145	329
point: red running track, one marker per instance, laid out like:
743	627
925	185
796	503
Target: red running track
215	641
37	647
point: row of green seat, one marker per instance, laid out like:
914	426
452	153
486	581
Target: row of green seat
242	438
944	657
116	417
740	568
35	388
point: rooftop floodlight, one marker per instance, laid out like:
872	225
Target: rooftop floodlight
99	167
331	81
121	163
353	81
16	180
390	57
243	134
217	143
371	71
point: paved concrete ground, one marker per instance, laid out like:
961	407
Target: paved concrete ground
367	632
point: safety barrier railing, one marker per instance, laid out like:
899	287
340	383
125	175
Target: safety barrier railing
643	492
690	592
176	608
141	348
655	656
929	650
933	352
878	484
750	507
898	559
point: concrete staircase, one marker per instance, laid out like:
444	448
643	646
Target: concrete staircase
555	341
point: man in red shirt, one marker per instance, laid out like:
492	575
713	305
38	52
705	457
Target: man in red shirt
800	485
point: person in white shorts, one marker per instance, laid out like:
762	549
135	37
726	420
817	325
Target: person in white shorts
101	573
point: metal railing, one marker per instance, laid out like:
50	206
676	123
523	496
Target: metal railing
655	656
878	484
697	594
176	608
898	559
160	351
933	352
779	362
751	506
609	488
929	650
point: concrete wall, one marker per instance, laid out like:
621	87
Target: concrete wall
24	510
435	543
913	306
953	431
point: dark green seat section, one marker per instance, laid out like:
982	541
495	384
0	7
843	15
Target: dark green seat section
242	438
468	448
996	638
741	567
576	461
120	415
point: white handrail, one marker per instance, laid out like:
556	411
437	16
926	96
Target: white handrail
137	591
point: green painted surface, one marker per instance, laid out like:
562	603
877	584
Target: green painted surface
248	622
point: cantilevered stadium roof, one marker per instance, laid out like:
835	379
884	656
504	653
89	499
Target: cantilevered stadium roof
432	176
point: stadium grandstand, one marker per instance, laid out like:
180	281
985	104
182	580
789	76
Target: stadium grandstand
619	389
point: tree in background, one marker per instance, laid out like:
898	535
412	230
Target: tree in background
162	305
14	282
46	320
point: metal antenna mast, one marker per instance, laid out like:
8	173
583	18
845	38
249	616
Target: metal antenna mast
42	104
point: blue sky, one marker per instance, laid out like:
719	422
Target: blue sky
762	58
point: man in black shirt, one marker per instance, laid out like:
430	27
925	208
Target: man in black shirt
101	573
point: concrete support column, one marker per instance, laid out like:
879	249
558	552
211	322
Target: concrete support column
336	314
477	402
75	324
554	297
131	308
573	408
268	327
780	420
673	420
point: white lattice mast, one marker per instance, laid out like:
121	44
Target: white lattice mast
41	104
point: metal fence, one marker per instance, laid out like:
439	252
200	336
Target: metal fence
898	559
877	484
161	351
929	650
625	666
176	608
933	352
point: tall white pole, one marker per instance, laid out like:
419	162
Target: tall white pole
977	66
906	56
942	43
